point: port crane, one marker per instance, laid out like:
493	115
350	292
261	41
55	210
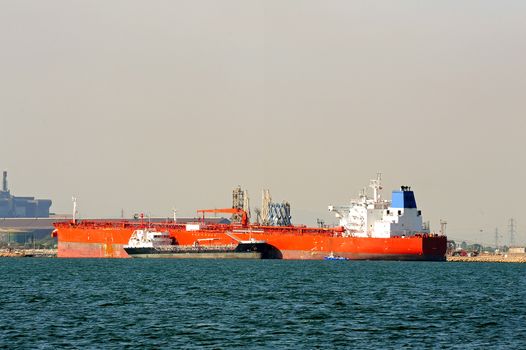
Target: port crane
244	215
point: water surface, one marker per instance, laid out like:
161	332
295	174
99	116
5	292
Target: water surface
220	304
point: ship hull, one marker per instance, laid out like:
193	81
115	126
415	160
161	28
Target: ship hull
108	241
244	250
152	253
90	250
300	255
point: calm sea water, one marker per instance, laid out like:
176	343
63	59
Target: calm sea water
219	304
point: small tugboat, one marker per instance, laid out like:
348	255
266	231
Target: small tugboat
331	256
148	243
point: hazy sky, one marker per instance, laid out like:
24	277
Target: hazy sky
143	105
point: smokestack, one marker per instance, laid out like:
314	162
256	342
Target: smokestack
4	182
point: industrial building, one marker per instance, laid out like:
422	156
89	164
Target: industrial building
21	207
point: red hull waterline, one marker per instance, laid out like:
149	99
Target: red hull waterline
106	240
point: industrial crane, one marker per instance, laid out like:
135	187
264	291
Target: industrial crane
244	216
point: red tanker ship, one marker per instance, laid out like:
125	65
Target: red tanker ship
370	228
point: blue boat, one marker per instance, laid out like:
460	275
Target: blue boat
334	257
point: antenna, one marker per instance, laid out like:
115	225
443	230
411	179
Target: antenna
363	194
496	238
443	224
512	232
175	215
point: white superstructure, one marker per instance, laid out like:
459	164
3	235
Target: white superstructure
375	217
148	238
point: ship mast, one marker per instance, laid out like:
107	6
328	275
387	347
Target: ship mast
75	212
376	185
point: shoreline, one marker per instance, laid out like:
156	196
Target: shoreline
52	253
488	258
28	253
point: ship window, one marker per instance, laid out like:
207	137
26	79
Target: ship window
388	212
399	212
419	212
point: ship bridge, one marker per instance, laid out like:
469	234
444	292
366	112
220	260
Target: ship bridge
378	218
